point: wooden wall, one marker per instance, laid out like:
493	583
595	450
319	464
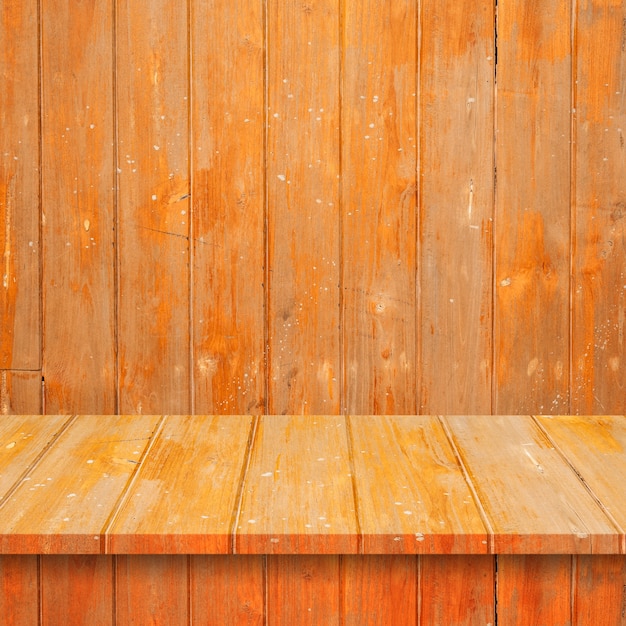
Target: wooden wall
313	206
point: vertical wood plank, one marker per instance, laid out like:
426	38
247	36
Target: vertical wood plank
227	590
534	590
19	186
303	590
600	590
599	262
19	590
457	590
20	393
228	206
77	186
152	589
379	590
77	590
153	219
456	112
303	207
533	207
379	158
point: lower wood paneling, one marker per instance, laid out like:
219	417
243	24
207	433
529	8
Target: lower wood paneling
19	593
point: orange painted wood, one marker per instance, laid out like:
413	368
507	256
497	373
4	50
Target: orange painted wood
456	118
184	497
599	590
596	448
152	589
153	207
379	156
303	590
76	590
303	219
598	260
63	503
411	494
227	590
20	331
379	590
533	207
535	590
297	493
20	393
228	196
19	590
457	590
78	219
532	498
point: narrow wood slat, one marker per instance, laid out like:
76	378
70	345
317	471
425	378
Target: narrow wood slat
456	111
534	502
63	503
22	439
598	262
411	493
77	590
19	590
78	198
228	206
533	207
227	590
596	448
20	332
535	590
20	393
379	590
153	141
297	494
184	496
457	590
303	221
379	156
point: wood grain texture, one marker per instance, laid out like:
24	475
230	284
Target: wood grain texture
184	497
153	218
379	157
20	330
457	590
78	260
532	498
535	590
411	494
228	198
297	493
456	113
63	503
20	393
227	590
533	207
379	590
599	262
76	590
303	220
303	590
19	590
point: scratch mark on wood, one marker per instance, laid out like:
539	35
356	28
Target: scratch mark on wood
8	208
4	394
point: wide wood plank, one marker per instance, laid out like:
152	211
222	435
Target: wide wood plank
19	590
303	220
411	494
20	335
598	261
297	494
533	207
63	503
184	497
20	393
533	500
153	199
78	281
456	111
379	157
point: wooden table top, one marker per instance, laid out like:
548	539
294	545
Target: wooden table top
312	485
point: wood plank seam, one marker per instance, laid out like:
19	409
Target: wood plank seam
348	427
